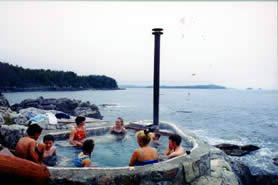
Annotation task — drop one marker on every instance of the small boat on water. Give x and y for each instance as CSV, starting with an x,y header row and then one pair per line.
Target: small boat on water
x,y
13,168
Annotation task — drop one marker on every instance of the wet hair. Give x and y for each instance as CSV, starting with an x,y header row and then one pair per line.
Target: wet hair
x,y
175,138
88,146
79,119
144,137
157,135
122,121
34,129
48,137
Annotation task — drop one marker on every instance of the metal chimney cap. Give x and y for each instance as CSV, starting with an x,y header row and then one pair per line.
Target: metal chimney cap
x,y
157,31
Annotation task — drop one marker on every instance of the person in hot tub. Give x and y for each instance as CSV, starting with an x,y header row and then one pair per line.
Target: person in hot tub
x,y
83,159
145,154
78,133
174,149
118,128
49,155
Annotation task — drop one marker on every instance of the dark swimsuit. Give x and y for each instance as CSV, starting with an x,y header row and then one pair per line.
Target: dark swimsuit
x,y
38,153
145,162
118,133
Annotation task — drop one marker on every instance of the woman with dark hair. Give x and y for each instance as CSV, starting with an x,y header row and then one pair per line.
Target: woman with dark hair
x,y
145,154
84,158
78,133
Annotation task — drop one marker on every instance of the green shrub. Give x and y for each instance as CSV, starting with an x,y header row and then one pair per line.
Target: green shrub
x,y
8,120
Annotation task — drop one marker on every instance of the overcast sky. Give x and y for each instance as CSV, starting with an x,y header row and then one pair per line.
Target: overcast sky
x,y
233,44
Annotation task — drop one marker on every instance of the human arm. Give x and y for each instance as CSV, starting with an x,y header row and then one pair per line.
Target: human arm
x,y
167,152
123,129
71,138
54,151
179,151
86,162
111,129
133,158
41,150
32,151
157,155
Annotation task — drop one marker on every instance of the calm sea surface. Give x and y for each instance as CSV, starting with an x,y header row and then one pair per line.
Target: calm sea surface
x,y
216,116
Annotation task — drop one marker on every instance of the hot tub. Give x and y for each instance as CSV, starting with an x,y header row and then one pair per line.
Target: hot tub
x,y
180,170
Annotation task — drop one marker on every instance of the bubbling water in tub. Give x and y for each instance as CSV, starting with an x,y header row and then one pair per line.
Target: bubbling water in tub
x,y
110,150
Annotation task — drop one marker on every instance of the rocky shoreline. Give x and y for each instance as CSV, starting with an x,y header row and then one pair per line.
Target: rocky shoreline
x,y
15,119
51,88
13,124
65,105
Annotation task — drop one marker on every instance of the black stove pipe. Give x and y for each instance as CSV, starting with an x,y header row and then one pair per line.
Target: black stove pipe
x,y
156,32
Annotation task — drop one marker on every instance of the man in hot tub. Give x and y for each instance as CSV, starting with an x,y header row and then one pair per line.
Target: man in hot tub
x,y
174,149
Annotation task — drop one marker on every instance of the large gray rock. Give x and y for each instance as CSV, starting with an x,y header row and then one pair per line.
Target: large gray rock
x,y
221,169
221,173
18,118
275,161
71,107
5,115
241,171
2,121
10,134
90,111
3,101
235,150
265,179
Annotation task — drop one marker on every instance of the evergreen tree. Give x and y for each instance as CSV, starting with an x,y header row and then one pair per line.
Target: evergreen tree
x,y
18,77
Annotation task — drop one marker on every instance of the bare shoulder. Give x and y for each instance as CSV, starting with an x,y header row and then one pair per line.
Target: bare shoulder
x,y
32,142
27,140
73,130
153,149
53,149
86,162
137,150
181,150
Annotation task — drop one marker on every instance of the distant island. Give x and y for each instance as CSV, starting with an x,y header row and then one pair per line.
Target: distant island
x,y
15,78
211,86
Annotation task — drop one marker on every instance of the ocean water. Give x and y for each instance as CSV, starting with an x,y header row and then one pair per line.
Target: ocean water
x,y
216,116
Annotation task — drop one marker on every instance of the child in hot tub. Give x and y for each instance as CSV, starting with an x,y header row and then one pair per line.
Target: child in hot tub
x,y
83,159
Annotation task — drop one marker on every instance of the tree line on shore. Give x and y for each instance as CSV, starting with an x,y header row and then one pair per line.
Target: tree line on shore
x,y
18,77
